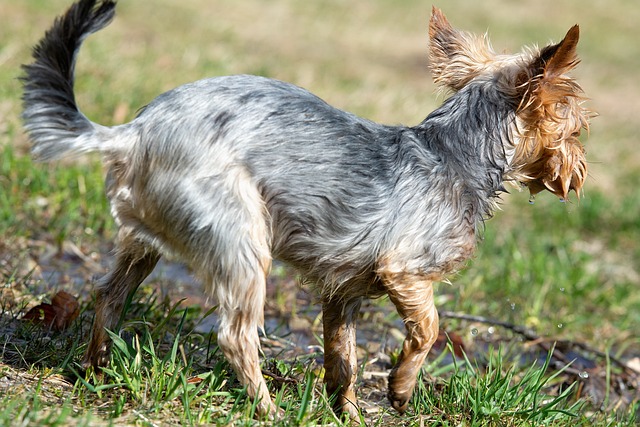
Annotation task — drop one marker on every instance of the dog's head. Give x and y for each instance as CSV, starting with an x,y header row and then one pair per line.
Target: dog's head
x,y
546,152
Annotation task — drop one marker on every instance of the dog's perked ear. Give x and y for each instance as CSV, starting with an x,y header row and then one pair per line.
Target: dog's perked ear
x,y
553,61
550,120
455,57
563,56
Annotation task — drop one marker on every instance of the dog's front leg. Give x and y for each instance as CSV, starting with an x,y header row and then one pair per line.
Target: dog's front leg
x,y
413,298
340,359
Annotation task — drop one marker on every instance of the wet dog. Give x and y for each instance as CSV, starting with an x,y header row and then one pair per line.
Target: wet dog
x,y
230,172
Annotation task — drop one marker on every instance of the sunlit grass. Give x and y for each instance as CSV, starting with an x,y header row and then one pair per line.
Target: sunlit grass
x,y
165,374
62,201
553,264
497,395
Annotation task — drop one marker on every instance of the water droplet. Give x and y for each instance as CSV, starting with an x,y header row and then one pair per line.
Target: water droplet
x,y
560,325
491,330
532,199
584,375
562,200
474,332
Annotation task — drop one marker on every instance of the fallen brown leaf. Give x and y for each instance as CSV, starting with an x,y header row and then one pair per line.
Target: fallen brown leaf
x,y
58,315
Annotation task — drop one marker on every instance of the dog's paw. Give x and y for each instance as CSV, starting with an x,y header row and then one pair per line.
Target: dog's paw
x,y
97,358
348,412
400,391
399,403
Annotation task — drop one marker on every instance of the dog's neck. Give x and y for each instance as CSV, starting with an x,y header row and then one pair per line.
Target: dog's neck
x,y
472,132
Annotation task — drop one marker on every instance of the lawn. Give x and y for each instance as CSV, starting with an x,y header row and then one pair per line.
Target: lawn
x,y
541,328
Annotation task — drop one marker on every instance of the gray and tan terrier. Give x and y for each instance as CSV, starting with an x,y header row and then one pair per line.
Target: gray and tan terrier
x,y
228,173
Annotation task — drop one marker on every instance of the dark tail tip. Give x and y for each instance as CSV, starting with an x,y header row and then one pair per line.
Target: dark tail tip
x,y
50,111
54,56
59,46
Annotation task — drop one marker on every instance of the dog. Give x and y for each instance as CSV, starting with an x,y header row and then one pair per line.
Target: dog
x,y
231,172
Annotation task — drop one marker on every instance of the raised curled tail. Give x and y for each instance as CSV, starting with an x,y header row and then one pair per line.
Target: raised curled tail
x,y
51,117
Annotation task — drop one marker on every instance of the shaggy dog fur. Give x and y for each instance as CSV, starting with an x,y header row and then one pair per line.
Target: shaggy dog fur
x,y
230,172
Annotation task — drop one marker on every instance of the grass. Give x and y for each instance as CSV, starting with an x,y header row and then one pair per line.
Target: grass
x,y
569,256
76,207
167,374
567,271
498,394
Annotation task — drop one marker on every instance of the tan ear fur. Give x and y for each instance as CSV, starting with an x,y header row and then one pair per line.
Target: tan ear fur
x,y
565,57
455,57
551,119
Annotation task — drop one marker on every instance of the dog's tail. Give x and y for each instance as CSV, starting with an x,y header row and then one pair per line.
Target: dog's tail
x,y
52,119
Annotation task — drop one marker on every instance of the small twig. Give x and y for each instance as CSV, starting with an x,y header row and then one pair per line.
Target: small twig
x,y
604,355
143,418
530,335
520,330
279,379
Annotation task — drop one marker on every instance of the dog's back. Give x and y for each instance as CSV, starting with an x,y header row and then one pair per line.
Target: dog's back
x,y
315,176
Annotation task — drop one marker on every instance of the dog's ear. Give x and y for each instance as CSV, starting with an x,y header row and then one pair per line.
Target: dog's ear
x,y
565,56
557,59
455,57
551,119
544,81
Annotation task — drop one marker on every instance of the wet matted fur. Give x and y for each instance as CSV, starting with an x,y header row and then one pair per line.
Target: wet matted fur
x,y
230,172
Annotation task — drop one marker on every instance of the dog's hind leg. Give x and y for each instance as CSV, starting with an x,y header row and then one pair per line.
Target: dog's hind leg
x,y
239,341
134,262
241,308
413,297
235,259
340,359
